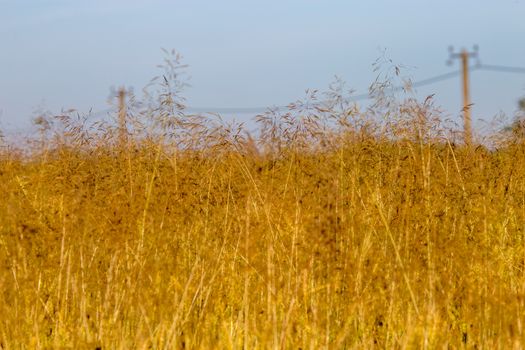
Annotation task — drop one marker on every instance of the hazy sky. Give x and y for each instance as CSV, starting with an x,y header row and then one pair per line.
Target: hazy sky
x,y
67,54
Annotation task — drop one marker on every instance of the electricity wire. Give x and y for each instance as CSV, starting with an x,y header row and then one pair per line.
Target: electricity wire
x,y
355,98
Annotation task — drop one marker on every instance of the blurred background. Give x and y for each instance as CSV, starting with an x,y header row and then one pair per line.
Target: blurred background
x,y
60,55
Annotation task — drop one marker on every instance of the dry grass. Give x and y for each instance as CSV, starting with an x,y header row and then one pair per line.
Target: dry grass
x,y
326,230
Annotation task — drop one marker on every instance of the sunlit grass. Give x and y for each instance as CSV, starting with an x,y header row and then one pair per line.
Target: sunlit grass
x,y
345,234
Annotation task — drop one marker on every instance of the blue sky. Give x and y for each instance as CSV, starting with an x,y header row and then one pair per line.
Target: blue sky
x,y
67,54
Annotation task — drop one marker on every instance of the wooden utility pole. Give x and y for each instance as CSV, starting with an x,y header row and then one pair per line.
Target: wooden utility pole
x,y
467,117
123,131
464,55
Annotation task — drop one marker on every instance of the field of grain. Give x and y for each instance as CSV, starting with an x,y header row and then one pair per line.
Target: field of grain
x,y
327,229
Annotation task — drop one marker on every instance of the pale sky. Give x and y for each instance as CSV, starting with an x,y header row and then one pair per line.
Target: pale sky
x,y
68,54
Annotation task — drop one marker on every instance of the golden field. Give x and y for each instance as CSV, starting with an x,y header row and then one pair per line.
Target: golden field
x,y
310,235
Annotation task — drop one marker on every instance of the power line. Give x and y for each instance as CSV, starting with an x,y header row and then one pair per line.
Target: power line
x,y
99,113
90,113
366,96
438,78
497,68
360,97
240,110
